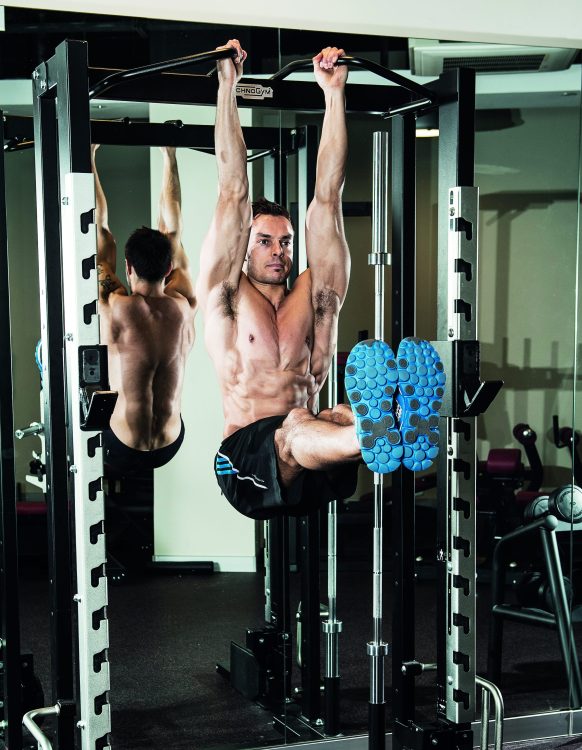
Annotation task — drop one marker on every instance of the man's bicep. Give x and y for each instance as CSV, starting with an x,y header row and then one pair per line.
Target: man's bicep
x,y
327,249
223,250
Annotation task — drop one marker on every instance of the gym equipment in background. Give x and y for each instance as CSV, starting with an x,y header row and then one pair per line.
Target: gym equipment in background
x,y
544,595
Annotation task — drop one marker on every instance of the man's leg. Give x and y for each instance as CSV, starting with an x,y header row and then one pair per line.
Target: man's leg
x,y
305,441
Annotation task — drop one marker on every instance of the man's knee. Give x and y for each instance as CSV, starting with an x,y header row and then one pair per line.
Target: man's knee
x,y
288,430
340,414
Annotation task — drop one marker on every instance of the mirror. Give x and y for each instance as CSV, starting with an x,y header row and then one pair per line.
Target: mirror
x,y
170,625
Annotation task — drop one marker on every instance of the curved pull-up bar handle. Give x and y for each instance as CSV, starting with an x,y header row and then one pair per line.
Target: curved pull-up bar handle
x,y
360,62
159,67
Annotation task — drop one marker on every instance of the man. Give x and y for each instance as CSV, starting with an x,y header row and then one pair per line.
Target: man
x,y
272,346
149,332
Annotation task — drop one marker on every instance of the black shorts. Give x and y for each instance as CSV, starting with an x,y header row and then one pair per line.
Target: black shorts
x,y
247,472
126,460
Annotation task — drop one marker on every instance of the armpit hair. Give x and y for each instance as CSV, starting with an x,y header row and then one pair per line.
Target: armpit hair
x,y
228,301
326,303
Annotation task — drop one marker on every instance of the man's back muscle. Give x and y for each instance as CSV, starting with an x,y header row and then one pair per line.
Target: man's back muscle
x,y
148,339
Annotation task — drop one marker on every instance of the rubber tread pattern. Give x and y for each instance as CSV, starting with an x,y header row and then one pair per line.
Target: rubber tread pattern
x,y
419,366
371,381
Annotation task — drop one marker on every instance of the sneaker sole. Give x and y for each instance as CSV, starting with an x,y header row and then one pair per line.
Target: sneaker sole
x,y
370,381
421,387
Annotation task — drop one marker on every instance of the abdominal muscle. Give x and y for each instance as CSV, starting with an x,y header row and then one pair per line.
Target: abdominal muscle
x,y
261,389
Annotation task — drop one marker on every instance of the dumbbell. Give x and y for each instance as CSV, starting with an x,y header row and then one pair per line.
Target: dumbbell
x,y
564,502
533,590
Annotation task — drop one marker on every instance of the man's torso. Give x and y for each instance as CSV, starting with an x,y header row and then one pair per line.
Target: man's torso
x,y
264,357
148,340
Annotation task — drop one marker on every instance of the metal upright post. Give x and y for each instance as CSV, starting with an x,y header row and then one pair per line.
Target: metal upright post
x,y
54,411
70,338
457,324
379,257
11,711
403,512
309,525
86,363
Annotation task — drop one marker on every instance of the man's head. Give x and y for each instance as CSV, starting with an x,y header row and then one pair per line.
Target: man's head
x,y
148,255
270,250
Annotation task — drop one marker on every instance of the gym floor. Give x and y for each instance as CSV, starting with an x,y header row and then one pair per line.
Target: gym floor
x,y
167,632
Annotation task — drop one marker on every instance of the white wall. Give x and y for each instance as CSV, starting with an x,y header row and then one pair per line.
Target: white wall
x,y
192,520
24,305
516,21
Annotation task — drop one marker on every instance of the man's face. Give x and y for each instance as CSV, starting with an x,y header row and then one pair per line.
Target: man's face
x,y
270,251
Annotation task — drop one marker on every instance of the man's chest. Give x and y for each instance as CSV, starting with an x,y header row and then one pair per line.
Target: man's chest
x,y
285,334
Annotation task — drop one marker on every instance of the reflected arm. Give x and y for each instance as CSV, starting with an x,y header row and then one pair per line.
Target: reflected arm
x,y
108,281
170,223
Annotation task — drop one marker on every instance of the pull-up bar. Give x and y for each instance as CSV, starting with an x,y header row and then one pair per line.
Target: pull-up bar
x,y
427,96
159,67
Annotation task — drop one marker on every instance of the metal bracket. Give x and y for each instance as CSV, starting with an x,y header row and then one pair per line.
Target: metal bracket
x,y
380,259
97,401
466,394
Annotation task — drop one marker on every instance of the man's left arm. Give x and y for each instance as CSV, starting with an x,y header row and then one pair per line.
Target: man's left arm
x,y
327,249
170,223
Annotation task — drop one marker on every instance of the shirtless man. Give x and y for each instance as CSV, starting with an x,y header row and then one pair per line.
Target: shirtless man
x,y
271,346
149,332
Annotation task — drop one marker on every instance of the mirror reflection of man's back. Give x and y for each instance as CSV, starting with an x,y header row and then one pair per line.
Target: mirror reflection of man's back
x,y
148,333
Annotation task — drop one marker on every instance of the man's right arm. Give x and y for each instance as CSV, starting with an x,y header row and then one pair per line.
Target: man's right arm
x,y
107,279
224,247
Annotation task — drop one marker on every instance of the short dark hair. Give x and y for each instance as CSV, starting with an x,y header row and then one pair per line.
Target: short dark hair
x,y
264,207
149,252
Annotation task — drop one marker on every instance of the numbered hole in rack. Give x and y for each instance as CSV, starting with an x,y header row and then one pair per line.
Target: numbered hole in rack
x,y
94,531
92,444
97,617
94,487
97,574
99,659
462,660
100,701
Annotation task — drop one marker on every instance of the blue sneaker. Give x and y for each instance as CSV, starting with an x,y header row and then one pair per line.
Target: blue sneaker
x,y
370,382
421,387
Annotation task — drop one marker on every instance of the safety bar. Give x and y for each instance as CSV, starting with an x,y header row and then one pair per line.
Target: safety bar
x,y
546,522
261,155
18,144
29,722
427,99
35,429
159,67
489,690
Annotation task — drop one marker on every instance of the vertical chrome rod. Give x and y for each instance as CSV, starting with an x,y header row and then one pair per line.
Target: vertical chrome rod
x,y
379,257
490,690
332,626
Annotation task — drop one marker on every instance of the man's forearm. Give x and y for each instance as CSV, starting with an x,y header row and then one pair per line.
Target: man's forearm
x,y
231,153
333,148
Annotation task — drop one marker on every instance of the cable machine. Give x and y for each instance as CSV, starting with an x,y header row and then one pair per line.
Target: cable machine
x,y
75,362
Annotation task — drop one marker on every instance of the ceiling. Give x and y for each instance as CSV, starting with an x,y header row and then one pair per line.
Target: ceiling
x,y
117,42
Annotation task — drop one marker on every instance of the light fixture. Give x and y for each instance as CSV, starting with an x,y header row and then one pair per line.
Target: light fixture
x,y
427,132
